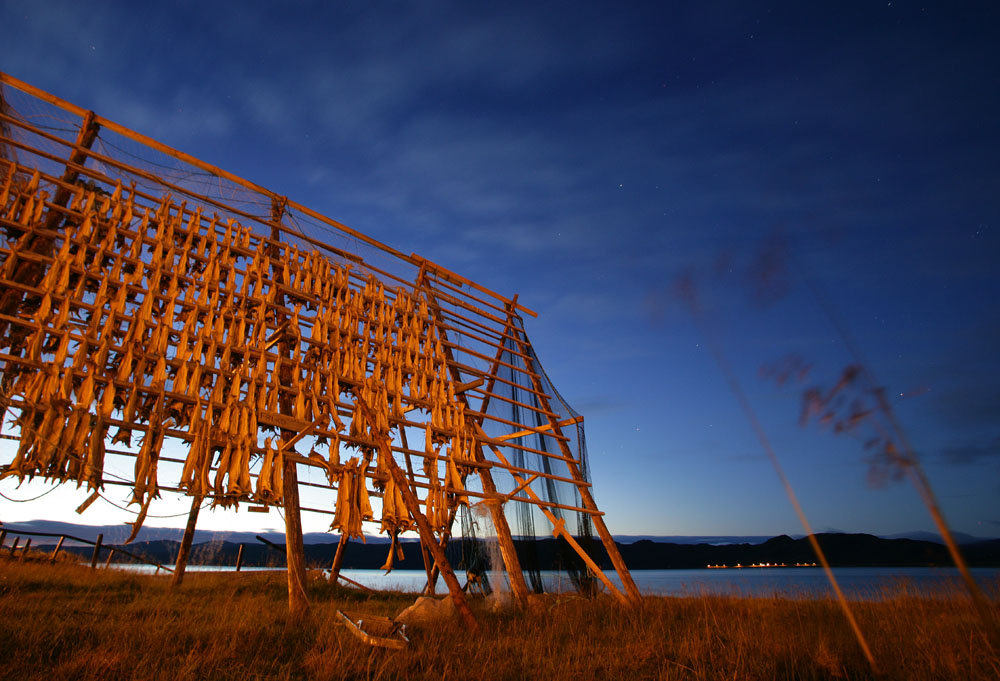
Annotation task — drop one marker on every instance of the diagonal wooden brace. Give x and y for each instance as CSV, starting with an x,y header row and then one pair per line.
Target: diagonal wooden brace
x,y
426,532
560,529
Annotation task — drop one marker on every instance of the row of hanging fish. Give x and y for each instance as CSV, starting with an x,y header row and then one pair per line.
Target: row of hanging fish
x,y
165,321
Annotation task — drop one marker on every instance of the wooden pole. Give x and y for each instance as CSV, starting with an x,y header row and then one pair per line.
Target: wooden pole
x,y
111,555
97,551
424,553
24,551
429,569
508,552
588,500
413,506
357,584
426,532
13,547
338,557
559,528
55,552
3,537
445,536
185,548
298,602
239,558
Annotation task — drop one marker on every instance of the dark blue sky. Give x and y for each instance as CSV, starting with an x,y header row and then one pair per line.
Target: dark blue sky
x,y
586,156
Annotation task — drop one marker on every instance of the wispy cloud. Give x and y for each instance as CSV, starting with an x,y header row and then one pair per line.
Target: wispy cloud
x,y
972,454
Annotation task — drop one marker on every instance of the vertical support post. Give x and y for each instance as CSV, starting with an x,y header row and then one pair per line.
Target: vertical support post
x,y
239,558
97,551
24,551
428,568
3,537
298,602
338,557
185,548
111,554
13,547
55,552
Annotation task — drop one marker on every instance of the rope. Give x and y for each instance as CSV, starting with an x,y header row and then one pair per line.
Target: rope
x,y
24,501
123,508
106,472
179,172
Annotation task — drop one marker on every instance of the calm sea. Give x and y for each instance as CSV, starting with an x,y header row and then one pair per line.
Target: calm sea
x,y
793,582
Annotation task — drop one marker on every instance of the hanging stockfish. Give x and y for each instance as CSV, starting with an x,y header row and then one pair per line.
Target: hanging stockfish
x,y
395,516
353,504
195,461
146,462
93,469
453,482
269,479
436,503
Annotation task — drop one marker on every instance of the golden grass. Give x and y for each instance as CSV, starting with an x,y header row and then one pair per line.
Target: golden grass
x,y
68,622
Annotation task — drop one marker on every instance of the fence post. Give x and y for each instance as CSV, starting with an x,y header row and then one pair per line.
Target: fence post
x,y
239,558
24,551
97,551
13,547
3,537
58,546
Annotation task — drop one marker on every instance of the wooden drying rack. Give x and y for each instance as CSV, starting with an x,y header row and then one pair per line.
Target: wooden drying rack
x,y
132,302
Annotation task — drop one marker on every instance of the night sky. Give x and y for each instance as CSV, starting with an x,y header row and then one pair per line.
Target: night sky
x,y
814,174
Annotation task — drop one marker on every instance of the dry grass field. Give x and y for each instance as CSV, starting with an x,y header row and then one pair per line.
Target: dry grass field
x,y
65,621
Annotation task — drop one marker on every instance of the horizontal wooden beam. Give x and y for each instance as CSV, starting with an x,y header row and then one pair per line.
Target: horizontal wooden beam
x,y
155,145
541,430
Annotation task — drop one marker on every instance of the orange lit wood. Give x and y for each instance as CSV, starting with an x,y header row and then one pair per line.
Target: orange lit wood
x,y
160,306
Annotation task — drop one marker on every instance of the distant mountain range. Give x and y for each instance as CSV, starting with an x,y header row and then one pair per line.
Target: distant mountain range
x,y
119,533
842,550
721,540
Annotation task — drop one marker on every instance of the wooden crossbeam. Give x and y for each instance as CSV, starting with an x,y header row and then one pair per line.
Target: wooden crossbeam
x,y
540,430
560,530
507,497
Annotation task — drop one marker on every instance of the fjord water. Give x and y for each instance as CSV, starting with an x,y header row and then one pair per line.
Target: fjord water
x,y
795,582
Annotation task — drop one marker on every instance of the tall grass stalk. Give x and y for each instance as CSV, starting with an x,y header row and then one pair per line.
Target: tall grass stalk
x,y
910,464
690,297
